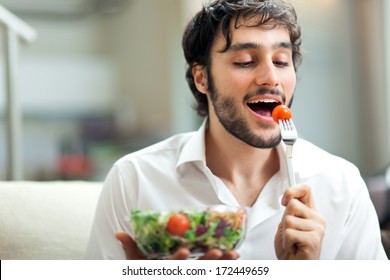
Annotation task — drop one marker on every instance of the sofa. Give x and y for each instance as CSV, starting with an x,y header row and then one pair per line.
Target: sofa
x,y
46,220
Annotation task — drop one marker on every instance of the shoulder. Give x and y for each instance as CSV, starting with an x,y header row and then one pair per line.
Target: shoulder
x,y
148,164
312,160
169,148
331,177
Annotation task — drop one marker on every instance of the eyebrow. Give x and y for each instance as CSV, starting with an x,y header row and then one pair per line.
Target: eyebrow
x,y
256,46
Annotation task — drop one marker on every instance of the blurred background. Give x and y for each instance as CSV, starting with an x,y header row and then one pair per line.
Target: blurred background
x,y
106,77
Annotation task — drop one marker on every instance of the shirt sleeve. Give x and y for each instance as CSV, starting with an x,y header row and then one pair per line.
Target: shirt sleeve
x,y
361,237
111,216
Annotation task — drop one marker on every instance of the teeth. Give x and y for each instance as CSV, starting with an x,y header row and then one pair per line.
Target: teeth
x,y
264,101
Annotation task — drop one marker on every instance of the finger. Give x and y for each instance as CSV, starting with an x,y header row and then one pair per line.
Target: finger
x,y
214,254
181,254
302,193
296,208
131,250
230,255
291,240
306,244
301,224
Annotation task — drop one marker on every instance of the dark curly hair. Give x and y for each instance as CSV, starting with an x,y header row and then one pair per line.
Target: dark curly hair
x,y
217,16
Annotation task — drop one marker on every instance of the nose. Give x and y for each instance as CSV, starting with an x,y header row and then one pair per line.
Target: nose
x,y
267,75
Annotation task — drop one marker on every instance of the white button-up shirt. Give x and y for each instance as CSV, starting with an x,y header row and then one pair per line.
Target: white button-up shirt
x,y
173,174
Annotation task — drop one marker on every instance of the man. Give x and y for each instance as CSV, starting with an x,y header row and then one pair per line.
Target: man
x,y
242,57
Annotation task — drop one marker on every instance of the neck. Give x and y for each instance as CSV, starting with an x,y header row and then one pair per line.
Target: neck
x,y
244,169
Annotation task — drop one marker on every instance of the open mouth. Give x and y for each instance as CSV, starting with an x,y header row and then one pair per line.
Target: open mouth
x,y
263,107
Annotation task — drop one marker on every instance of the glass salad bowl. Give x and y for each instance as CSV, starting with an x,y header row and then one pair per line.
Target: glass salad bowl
x,y
160,234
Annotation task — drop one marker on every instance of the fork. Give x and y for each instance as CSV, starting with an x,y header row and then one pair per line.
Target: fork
x,y
289,135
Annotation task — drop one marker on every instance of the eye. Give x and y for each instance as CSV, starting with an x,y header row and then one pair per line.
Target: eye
x,y
244,64
281,63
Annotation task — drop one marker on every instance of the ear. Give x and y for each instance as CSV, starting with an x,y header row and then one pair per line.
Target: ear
x,y
200,78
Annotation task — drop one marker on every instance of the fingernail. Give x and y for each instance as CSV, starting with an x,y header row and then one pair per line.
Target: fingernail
x,y
284,200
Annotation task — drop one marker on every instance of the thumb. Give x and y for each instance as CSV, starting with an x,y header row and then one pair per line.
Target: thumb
x,y
129,246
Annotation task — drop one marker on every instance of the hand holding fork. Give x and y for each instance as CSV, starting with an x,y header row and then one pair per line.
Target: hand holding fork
x,y
303,238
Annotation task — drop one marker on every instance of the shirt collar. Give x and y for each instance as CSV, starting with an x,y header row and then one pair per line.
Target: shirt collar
x,y
195,149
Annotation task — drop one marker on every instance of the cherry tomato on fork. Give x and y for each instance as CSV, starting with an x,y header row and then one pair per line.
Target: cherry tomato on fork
x,y
178,224
281,112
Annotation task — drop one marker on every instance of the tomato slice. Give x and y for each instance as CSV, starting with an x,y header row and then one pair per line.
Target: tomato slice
x,y
281,112
178,224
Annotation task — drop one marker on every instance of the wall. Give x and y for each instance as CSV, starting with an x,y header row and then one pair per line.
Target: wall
x,y
341,101
373,86
325,105
128,65
63,76
145,43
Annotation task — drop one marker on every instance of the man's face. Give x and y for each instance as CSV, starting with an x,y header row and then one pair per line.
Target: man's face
x,y
247,81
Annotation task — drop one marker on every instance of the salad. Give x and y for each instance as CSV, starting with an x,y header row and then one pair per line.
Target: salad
x,y
159,234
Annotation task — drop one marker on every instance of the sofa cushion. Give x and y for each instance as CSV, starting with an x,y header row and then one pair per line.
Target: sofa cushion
x,y
46,220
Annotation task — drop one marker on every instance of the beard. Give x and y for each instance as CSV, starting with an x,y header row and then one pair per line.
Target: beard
x,y
228,114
